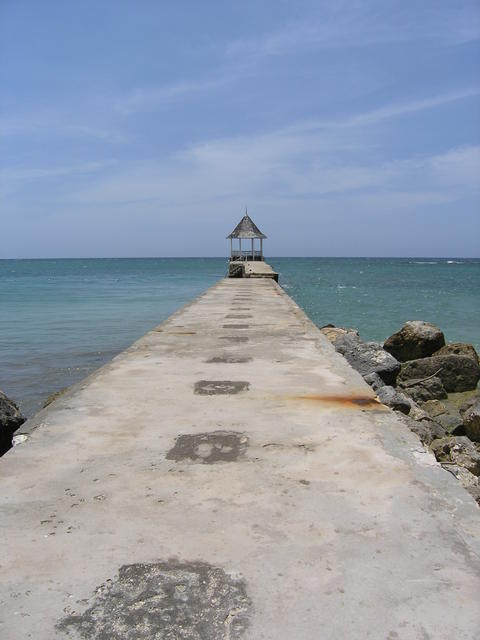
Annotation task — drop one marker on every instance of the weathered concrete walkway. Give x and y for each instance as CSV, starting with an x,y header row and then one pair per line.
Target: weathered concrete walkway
x,y
230,476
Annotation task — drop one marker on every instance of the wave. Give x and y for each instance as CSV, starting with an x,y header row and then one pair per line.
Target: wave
x,y
423,262
454,261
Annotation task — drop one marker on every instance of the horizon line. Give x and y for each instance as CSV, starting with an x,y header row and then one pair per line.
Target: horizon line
x,y
326,257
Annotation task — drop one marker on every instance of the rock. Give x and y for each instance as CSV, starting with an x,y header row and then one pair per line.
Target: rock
x,y
471,421
434,408
466,479
393,399
452,423
457,373
423,390
417,413
426,429
332,332
10,419
374,380
459,450
449,418
467,404
416,339
367,357
459,349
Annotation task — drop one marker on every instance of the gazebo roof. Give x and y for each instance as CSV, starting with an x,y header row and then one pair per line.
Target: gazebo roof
x,y
246,228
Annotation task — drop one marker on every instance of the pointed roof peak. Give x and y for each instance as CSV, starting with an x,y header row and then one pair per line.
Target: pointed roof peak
x,y
246,228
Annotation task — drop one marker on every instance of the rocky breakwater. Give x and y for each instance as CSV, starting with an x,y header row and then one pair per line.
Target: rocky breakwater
x,y
10,419
432,385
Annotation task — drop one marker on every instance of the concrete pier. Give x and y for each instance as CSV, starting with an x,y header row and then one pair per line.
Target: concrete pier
x,y
229,476
251,269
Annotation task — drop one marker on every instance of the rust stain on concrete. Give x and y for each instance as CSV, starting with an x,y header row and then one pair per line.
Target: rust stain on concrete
x,y
349,401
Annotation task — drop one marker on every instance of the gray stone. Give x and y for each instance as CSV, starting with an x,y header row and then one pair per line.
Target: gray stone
x,y
459,450
333,333
393,399
457,373
458,349
367,357
471,421
426,429
374,380
10,419
452,423
466,479
467,404
423,390
416,339
434,408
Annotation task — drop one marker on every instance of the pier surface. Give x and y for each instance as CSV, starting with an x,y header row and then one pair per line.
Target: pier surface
x,y
229,476
251,269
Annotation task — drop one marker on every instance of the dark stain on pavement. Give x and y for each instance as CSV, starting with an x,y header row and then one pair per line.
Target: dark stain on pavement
x,y
209,447
220,387
168,600
236,326
229,359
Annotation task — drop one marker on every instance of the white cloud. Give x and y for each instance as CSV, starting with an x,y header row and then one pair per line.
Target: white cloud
x,y
346,25
151,97
54,124
459,166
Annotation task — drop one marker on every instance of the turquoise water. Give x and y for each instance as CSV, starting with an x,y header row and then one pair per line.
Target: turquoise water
x,y
61,319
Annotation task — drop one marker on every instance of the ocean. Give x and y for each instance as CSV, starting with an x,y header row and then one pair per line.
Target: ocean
x,y
61,319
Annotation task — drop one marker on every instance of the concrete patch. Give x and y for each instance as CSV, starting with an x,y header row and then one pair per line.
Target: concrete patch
x,y
229,359
220,387
235,338
166,601
238,315
210,447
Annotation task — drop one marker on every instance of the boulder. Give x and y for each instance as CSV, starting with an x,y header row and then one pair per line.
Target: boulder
x,y
434,408
457,373
471,421
426,429
423,390
393,399
367,357
374,380
466,479
448,417
452,423
332,332
458,450
10,419
416,339
467,404
458,349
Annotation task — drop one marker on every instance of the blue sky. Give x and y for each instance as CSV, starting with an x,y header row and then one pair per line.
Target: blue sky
x,y
143,128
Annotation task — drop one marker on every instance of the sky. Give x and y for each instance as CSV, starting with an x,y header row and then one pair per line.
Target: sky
x,y
144,128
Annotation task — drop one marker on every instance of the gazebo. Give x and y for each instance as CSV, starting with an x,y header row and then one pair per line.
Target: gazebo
x,y
246,229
